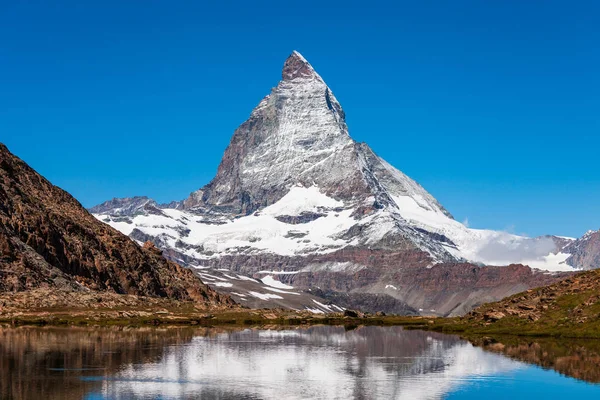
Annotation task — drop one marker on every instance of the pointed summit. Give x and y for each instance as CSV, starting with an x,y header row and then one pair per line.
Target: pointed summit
x,y
296,66
297,135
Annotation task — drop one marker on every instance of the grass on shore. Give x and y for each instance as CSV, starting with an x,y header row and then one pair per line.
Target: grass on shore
x,y
564,321
190,316
247,317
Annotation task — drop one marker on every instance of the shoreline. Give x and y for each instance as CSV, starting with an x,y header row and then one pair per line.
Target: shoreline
x,y
44,307
202,318
239,317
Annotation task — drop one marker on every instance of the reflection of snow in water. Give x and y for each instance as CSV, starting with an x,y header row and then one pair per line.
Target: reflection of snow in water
x,y
317,363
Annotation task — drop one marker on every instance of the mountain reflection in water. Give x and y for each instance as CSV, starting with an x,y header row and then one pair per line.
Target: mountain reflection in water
x,y
318,363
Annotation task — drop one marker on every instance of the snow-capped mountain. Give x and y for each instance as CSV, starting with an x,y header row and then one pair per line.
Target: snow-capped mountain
x,y
295,195
584,253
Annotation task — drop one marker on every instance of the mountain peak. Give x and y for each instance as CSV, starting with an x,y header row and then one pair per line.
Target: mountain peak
x,y
296,66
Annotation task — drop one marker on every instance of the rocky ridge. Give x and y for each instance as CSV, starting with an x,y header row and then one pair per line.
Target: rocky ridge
x,y
48,240
569,308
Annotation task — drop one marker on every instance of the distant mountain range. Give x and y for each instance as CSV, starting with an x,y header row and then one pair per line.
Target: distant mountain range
x,y
296,200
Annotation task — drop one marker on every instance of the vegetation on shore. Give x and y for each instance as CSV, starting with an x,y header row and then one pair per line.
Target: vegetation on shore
x,y
51,307
567,309
238,317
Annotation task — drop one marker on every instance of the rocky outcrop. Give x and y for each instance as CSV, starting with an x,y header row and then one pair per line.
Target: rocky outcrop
x,y
47,239
303,218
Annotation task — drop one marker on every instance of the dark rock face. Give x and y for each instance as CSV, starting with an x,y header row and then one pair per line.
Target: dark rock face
x,y
401,282
368,302
47,239
559,242
296,67
303,218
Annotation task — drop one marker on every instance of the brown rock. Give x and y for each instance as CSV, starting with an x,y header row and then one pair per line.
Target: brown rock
x,y
48,240
493,316
152,248
533,317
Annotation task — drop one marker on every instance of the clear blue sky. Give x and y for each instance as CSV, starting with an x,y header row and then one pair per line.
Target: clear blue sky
x,y
494,107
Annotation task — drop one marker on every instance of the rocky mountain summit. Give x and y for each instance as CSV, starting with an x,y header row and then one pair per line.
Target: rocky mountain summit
x,y
48,240
293,158
297,200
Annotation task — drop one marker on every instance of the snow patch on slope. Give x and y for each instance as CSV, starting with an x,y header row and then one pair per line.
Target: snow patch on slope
x,y
260,231
480,245
264,296
270,281
300,199
263,232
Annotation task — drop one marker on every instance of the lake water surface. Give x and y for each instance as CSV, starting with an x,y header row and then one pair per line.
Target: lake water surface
x,y
311,363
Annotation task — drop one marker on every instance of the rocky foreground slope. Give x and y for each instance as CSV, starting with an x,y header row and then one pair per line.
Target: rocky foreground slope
x,y
569,308
297,200
49,241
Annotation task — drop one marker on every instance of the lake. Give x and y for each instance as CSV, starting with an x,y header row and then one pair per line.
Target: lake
x,y
321,362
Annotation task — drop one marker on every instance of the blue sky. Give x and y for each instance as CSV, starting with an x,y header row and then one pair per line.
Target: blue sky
x,y
492,106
